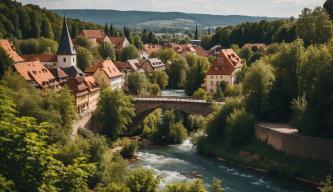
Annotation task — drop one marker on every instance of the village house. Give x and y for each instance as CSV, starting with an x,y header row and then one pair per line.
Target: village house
x,y
10,50
224,68
48,60
119,42
215,50
95,36
106,74
86,92
34,72
152,64
37,75
152,48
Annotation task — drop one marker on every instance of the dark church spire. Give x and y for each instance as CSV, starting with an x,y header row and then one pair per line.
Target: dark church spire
x,y
65,45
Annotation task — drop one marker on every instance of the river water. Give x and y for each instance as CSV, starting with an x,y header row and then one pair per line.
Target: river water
x,y
177,163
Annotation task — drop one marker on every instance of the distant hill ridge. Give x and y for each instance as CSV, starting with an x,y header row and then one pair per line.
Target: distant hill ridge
x,y
150,19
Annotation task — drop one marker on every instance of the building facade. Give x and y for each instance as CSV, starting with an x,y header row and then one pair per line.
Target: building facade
x,y
224,68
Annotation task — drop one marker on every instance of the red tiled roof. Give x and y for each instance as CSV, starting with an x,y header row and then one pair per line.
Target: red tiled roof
x,y
41,57
123,66
35,71
201,52
220,69
10,50
92,33
230,57
151,48
82,85
226,63
108,67
187,47
118,41
58,73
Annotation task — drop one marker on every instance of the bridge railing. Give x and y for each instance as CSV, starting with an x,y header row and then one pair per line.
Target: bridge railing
x,y
171,99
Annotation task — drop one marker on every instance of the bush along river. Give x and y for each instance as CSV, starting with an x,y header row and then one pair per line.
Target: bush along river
x,y
177,163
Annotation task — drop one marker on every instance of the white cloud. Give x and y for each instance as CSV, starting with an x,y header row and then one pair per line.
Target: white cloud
x,y
279,8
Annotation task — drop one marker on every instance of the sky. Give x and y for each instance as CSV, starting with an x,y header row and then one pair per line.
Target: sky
x,y
273,8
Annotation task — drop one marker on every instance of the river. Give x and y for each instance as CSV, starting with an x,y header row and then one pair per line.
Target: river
x,y
177,163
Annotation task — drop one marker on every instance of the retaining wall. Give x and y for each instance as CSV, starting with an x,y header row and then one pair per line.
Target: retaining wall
x,y
294,144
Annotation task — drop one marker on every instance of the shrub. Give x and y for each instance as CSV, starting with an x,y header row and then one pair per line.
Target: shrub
x,y
142,180
298,107
195,186
216,125
240,127
129,148
201,94
178,133
327,185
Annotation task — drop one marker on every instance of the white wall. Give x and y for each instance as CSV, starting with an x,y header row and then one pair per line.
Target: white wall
x,y
66,60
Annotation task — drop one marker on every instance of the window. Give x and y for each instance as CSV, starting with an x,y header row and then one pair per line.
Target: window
x,y
212,83
64,59
73,59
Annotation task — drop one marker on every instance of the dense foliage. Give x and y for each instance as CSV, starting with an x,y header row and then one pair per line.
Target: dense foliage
x,y
30,21
115,112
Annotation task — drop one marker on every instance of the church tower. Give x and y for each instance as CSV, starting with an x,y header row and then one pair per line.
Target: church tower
x,y
66,53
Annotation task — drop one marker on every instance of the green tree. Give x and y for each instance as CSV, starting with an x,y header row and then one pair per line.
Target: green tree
x,y
25,142
5,61
107,51
328,5
257,84
83,42
137,42
177,73
106,30
129,148
246,53
217,124
196,33
240,127
178,133
201,94
137,83
129,52
286,87
196,74
84,57
141,180
46,29
127,33
205,42
314,27
165,55
159,77
115,112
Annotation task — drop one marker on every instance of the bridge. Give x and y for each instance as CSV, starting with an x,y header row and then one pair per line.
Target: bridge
x,y
186,105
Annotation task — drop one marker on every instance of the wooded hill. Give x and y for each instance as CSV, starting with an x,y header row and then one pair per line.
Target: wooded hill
x,y
31,21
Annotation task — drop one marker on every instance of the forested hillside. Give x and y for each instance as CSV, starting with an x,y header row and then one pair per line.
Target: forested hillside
x,y
30,21
158,20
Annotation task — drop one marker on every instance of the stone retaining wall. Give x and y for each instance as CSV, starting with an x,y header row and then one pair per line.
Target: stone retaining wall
x,y
294,144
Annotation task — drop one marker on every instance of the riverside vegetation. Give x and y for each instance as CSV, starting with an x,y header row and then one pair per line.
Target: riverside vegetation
x,y
289,81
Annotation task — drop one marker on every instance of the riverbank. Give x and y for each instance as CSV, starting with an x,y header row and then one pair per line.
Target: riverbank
x,y
178,163
258,156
